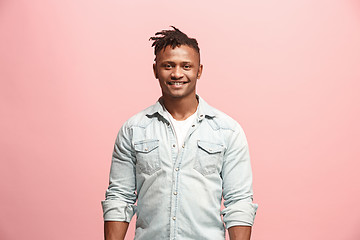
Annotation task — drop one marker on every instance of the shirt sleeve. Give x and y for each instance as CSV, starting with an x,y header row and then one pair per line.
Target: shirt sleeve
x,y
237,182
121,196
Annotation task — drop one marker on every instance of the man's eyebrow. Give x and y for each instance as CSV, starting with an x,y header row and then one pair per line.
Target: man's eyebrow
x,y
184,62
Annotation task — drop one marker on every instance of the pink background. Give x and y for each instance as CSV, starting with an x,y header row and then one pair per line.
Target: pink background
x,y
73,71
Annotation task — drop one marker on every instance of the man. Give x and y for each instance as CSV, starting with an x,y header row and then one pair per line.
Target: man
x,y
178,158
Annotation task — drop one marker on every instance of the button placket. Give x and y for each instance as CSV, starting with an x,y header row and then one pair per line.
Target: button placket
x,y
176,172
177,154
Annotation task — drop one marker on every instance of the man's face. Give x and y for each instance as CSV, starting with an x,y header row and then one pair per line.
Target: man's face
x,y
177,71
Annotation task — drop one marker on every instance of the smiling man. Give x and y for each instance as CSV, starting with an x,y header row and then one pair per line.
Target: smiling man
x,y
178,158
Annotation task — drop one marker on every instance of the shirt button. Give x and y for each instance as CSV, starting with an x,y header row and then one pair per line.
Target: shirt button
x,y
175,193
183,146
145,149
174,218
193,125
201,115
174,145
177,169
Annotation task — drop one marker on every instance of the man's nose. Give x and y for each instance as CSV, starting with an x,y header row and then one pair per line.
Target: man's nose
x,y
177,73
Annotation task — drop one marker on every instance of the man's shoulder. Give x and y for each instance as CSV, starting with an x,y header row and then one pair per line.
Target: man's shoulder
x,y
228,125
224,121
141,118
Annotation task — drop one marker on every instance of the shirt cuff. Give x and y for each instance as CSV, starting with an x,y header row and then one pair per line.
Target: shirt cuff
x,y
239,214
115,210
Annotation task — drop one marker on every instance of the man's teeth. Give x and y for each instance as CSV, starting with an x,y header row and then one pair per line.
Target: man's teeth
x,y
177,83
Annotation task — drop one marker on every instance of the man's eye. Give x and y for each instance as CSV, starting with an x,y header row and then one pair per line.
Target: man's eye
x,y
168,66
187,66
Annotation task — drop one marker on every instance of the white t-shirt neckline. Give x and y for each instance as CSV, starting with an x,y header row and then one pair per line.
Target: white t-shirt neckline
x,y
181,127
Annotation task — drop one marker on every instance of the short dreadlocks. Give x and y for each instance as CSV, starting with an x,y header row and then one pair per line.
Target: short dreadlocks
x,y
173,38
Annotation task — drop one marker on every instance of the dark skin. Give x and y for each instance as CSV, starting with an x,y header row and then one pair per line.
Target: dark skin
x,y
240,233
180,65
115,230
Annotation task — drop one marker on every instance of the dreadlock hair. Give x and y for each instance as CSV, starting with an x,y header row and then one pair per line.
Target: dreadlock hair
x,y
173,38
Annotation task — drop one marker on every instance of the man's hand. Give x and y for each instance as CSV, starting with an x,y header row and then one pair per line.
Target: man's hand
x,y
240,233
115,230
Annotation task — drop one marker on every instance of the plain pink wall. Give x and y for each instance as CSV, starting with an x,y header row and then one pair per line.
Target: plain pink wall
x,y
73,71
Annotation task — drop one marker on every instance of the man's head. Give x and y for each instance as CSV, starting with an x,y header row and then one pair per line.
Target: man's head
x,y
173,38
177,63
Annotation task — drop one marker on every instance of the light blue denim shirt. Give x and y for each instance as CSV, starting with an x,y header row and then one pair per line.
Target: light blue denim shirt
x,y
179,195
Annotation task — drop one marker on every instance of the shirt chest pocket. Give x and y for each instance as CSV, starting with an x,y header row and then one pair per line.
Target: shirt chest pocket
x,y
147,156
208,157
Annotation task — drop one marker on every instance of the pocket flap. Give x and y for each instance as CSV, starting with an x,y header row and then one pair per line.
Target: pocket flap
x,y
210,147
146,145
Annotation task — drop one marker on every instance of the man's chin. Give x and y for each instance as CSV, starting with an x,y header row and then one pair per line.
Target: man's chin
x,y
177,96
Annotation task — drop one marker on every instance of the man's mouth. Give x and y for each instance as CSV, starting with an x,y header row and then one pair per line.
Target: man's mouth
x,y
177,83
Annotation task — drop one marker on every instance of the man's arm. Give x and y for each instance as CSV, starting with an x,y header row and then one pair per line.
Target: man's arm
x,y
115,230
240,232
236,173
118,206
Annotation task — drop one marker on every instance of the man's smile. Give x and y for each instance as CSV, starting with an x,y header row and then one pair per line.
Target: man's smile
x,y
177,83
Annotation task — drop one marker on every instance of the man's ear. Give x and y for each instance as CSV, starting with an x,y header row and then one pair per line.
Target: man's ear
x,y
155,72
199,71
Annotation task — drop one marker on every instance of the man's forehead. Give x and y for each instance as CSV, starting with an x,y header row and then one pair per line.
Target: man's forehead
x,y
182,51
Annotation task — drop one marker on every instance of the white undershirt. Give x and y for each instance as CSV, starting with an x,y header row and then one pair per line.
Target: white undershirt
x,y
181,127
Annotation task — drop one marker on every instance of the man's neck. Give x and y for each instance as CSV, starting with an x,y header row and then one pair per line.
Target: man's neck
x,y
181,108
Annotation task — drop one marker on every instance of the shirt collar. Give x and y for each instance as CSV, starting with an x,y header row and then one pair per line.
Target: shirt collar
x,y
203,110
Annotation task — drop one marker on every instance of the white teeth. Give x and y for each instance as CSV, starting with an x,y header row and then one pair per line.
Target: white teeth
x,y
176,83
